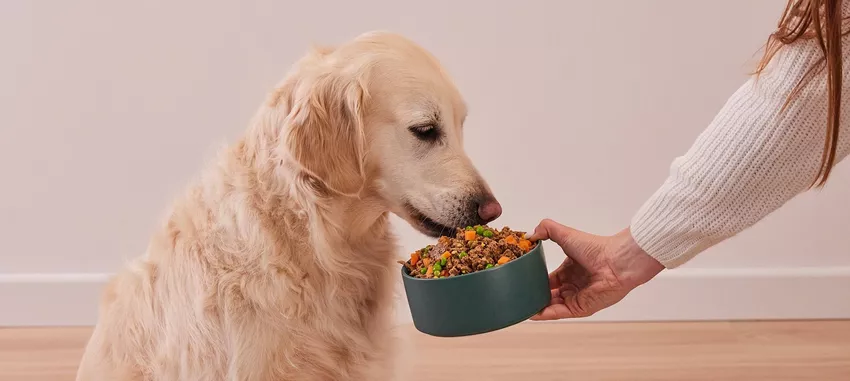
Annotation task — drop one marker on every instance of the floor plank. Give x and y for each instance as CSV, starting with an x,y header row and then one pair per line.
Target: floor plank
x,y
751,351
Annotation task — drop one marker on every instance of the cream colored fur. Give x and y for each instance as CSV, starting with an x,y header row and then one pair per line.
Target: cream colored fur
x,y
277,262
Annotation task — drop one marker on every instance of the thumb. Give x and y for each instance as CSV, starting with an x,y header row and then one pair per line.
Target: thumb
x,y
573,242
549,229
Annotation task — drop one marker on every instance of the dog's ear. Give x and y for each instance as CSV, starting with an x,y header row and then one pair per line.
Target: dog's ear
x,y
324,131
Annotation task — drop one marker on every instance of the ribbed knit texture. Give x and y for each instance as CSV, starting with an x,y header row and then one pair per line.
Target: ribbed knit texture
x,y
750,161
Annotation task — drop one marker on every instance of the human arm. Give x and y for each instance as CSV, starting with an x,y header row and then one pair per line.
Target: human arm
x,y
753,158
756,155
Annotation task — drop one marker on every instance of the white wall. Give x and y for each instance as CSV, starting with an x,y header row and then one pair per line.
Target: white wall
x,y
107,107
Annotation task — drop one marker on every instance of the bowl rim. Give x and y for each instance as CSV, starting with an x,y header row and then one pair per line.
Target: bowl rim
x,y
537,246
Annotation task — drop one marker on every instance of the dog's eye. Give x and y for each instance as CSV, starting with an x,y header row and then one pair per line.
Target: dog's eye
x,y
426,132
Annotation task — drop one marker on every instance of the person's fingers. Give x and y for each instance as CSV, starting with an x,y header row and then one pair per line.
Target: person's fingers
x,y
555,298
568,272
549,229
577,245
554,280
558,307
558,277
569,302
553,312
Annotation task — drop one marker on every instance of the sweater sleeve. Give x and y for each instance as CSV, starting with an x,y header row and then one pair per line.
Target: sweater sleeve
x,y
750,160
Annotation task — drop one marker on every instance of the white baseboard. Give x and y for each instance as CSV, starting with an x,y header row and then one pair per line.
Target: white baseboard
x,y
50,299
738,294
683,294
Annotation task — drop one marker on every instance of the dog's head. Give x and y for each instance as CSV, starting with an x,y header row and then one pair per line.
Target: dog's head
x,y
380,115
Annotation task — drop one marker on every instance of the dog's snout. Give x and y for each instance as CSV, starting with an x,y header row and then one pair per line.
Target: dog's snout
x,y
489,210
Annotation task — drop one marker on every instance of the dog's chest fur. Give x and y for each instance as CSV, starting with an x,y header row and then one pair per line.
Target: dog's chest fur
x,y
284,309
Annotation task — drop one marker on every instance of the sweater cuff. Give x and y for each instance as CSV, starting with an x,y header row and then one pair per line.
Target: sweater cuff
x,y
672,246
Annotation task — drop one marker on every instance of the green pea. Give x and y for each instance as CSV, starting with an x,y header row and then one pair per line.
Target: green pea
x,y
437,268
423,270
489,265
462,254
479,230
442,261
469,228
488,233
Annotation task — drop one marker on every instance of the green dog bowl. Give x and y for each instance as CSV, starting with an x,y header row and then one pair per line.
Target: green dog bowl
x,y
482,301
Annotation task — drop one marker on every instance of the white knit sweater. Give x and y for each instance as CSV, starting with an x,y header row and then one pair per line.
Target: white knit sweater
x,y
750,160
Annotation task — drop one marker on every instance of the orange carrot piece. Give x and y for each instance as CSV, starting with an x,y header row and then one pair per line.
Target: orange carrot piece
x,y
430,270
503,260
444,273
446,255
427,262
511,240
414,258
469,235
525,245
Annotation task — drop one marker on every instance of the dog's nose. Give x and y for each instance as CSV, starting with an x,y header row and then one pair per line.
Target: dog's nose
x,y
489,210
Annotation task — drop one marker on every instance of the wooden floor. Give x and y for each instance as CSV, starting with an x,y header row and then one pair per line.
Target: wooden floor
x,y
741,351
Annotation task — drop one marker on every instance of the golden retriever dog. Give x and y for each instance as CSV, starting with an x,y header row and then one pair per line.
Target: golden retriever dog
x,y
278,261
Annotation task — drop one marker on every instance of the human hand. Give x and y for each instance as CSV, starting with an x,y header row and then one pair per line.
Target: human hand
x,y
598,272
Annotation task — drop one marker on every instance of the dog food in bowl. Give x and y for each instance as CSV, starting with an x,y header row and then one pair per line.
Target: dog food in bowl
x,y
472,249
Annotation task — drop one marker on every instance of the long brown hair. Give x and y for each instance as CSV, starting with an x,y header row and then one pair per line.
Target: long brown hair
x,y
820,20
